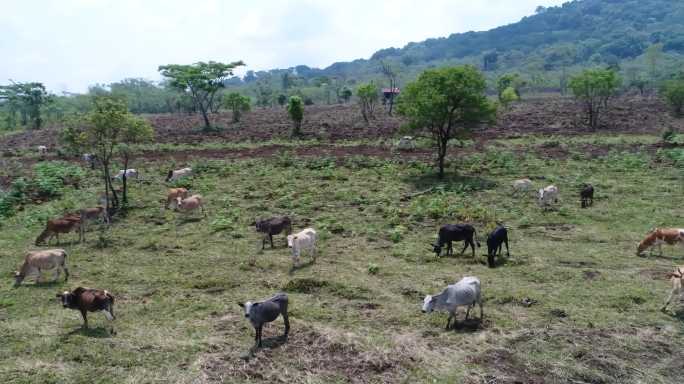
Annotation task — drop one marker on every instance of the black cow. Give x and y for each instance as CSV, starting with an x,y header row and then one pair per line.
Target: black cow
x,y
587,195
495,241
273,226
455,232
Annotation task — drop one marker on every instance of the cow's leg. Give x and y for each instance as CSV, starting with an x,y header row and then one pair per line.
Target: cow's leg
x,y
56,275
472,245
270,239
451,315
85,318
287,323
669,299
465,246
66,272
259,343
468,311
40,274
479,301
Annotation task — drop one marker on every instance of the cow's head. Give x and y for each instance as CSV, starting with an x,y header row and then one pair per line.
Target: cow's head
x,y
66,297
437,249
168,175
248,307
18,278
428,304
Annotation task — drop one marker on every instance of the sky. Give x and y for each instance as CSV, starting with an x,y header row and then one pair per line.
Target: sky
x,y
71,44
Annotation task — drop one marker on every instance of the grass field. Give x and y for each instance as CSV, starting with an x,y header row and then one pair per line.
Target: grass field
x,y
355,313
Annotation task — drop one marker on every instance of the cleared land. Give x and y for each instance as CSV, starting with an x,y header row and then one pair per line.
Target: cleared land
x,y
594,315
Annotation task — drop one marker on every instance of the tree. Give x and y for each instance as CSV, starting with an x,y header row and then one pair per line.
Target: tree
x,y
368,97
507,97
264,94
282,100
295,108
673,92
107,131
511,80
238,104
447,103
391,76
594,88
489,61
28,99
201,81
346,94
653,55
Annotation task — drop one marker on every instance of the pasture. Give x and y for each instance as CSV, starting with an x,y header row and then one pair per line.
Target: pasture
x,y
573,303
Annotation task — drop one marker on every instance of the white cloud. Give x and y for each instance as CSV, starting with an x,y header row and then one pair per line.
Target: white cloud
x,y
70,44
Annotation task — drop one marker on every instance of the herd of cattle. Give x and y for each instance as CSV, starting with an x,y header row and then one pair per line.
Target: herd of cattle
x,y
466,292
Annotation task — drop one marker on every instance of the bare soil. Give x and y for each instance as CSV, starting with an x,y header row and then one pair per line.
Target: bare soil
x,y
344,122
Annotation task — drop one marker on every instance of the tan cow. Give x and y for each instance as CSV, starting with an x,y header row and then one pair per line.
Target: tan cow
x,y
54,227
37,261
677,280
190,204
173,195
660,236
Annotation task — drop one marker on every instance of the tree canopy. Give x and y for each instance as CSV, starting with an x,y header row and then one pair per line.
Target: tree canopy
x,y
594,87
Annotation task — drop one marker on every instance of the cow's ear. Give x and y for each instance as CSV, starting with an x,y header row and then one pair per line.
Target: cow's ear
x,y
241,304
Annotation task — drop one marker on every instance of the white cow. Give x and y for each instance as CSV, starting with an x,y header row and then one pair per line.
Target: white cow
x,y
464,292
522,185
130,173
305,239
179,174
42,150
547,196
406,143
38,261
190,204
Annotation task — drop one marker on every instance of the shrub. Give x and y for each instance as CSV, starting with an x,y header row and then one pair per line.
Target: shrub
x,y
295,108
373,269
673,92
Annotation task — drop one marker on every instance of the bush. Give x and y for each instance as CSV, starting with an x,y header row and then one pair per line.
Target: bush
x,y
373,269
295,109
673,92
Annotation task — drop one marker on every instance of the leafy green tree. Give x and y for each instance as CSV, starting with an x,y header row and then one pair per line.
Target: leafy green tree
x,y
508,96
201,81
346,94
511,80
368,95
295,109
107,131
264,94
673,92
654,53
594,88
447,103
282,100
238,104
28,98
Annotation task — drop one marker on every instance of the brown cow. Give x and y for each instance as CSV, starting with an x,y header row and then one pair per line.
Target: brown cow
x,y
54,227
660,236
88,300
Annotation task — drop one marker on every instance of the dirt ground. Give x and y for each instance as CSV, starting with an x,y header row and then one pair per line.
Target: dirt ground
x,y
344,122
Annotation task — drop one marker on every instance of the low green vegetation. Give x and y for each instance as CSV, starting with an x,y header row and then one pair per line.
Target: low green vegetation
x,y
573,303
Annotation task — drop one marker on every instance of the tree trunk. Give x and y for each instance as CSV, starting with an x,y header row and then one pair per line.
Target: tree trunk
x,y
203,110
441,155
124,197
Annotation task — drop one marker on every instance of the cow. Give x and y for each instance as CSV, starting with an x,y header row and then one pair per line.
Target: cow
x,y
89,300
677,280
190,204
273,226
587,196
42,150
90,214
173,195
466,292
455,232
130,173
266,311
547,196
522,185
38,261
495,241
660,236
300,241
178,174
406,143
54,227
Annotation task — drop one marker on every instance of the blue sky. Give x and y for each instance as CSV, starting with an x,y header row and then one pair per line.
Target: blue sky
x,y
71,44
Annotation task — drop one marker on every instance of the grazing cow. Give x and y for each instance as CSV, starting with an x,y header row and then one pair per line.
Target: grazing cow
x,y
406,143
90,214
455,232
273,226
54,227
266,311
38,261
677,280
190,204
660,236
130,173
179,174
495,241
42,150
465,292
587,195
547,196
173,195
90,159
88,300
522,185
305,239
